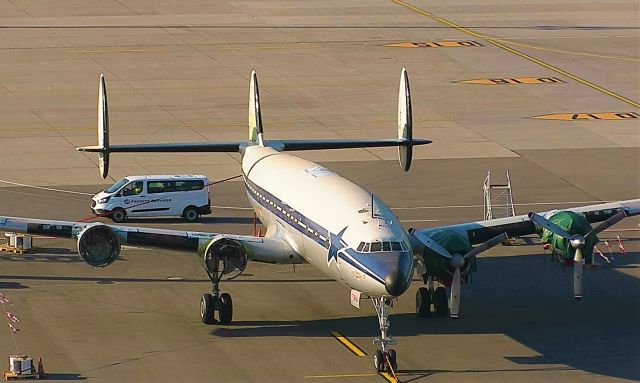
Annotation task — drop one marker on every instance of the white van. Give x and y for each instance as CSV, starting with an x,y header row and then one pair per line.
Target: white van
x,y
153,196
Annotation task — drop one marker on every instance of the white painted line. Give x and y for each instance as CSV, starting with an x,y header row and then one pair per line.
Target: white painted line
x,y
43,188
419,220
125,247
515,204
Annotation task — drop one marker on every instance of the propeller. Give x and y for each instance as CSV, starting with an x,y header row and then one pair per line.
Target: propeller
x,y
458,261
577,241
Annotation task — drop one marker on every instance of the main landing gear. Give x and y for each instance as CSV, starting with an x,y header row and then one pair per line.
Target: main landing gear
x,y
216,302
425,296
385,358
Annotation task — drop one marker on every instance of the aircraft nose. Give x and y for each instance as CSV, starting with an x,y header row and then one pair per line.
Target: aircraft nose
x,y
398,281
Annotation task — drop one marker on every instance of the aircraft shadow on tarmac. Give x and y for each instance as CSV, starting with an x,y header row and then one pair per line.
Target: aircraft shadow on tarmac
x,y
202,220
519,297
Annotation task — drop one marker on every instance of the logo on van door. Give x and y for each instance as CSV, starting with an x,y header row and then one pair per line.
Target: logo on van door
x,y
143,201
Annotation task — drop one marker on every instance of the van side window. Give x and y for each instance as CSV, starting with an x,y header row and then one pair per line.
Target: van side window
x,y
188,185
174,186
155,187
134,188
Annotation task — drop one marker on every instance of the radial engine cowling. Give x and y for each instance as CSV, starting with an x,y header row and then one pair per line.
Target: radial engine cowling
x,y
98,245
223,256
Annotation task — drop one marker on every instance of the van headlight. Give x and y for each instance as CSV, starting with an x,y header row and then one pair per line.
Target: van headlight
x,y
104,200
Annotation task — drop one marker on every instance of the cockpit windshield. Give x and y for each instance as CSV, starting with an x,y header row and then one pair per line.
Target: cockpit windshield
x,y
115,187
379,246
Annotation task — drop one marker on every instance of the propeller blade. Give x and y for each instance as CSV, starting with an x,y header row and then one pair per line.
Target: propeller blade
x,y
608,223
455,294
437,248
552,227
487,245
577,274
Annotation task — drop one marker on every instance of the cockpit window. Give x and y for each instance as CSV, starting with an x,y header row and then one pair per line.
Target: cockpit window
x,y
379,246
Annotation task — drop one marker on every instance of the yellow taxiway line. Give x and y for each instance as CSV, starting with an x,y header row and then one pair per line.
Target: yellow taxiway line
x,y
357,351
502,45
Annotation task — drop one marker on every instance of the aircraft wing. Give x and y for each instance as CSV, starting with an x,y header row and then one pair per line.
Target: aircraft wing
x,y
481,231
99,244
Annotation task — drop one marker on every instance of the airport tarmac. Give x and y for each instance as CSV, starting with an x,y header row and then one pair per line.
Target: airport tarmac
x,y
546,90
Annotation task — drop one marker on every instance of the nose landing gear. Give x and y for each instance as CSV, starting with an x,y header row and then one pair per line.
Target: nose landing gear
x,y
385,359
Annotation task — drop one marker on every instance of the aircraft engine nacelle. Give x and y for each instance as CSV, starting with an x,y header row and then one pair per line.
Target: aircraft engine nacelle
x,y
439,266
98,245
223,256
572,223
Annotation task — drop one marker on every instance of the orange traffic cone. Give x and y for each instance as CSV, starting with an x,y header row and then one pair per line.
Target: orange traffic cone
x,y
40,367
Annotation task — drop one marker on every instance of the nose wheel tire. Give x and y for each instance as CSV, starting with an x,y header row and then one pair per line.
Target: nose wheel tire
x,y
378,361
441,302
207,309
118,215
393,359
423,302
381,361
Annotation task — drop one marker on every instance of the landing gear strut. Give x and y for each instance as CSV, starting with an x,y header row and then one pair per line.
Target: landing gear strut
x,y
385,358
425,296
210,303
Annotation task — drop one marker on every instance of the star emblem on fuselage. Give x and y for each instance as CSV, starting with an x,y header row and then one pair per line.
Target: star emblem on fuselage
x,y
335,245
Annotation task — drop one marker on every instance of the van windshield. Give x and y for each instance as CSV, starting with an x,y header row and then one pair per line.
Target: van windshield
x,y
117,185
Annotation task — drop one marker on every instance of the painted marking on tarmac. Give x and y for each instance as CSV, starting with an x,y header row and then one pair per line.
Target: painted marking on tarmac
x,y
336,376
435,44
514,81
44,188
388,377
357,351
119,50
502,45
609,116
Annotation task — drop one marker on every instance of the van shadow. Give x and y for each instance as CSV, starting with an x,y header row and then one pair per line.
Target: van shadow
x,y
521,298
62,377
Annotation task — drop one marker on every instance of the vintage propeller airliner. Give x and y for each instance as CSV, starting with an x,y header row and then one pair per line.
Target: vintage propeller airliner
x,y
313,215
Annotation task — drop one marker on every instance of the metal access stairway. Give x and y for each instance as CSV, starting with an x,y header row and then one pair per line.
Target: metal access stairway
x,y
498,199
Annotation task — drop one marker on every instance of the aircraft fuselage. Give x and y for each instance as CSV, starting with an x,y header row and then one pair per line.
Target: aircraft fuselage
x,y
334,224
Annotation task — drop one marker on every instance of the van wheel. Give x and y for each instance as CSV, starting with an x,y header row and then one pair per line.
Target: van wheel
x,y
191,214
118,215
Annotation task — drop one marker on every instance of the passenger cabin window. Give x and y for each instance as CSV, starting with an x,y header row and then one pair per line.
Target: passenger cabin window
x,y
134,188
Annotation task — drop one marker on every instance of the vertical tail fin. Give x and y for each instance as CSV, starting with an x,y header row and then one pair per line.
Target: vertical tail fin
x,y
405,124
255,117
103,129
